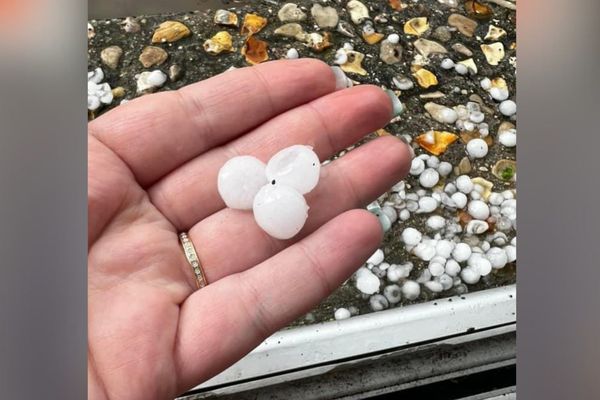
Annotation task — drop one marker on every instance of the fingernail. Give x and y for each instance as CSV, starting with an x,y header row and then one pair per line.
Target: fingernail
x,y
397,106
341,80
412,151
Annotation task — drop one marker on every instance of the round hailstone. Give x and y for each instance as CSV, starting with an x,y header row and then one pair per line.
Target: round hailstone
x,y
452,267
427,204
393,293
445,168
485,83
461,69
495,198
477,148
446,281
470,275
396,272
280,211
342,313
411,236
499,94
508,138
417,166
434,286
433,162
461,252
480,264
478,209
376,258
435,222
239,181
497,257
429,178
447,63
378,302
411,290
393,38
390,212
296,166
404,215
293,54
464,184
511,253
444,248
424,251
366,281
476,117
436,269
508,107
460,199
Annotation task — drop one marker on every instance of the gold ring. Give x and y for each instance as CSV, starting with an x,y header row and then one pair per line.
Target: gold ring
x,y
192,258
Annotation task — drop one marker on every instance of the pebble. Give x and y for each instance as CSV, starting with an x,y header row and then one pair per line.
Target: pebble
x,y
465,25
464,184
476,227
402,83
290,12
110,56
393,293
441,113
342,313
411,290
508,107
461,252
442,33
224,17
477,148
366,281
170,31
325,17
478,209
130,25
464,166
426,47
390,53
462,49
378,302
153,56
346,29
411,236
175,72
377,257
429,178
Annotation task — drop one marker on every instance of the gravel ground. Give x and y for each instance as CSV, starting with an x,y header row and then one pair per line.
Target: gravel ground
x,y
456,89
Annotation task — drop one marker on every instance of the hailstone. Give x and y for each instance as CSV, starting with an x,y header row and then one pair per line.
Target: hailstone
x,y
280,210
296,166
239,181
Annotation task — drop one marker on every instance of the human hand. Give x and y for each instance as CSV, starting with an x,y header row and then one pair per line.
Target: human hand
x,y
152,173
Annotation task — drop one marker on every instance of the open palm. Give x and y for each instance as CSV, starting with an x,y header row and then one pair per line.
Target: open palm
x,y
153,167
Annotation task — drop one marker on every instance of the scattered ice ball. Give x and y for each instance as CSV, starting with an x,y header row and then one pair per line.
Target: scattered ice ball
x,y
280,210
495,198
499,94
478,209
376,258
411,236
378,302
511,253
435,222
497,257
446,281
436,268
445,168
452,267
461,69
396,272
390,212
404,215
342,313
477,117
427,204
424,251
434,286
411,290
508,107
508,138
292,54
444,248
464,184
477,148
296,166
447,63
480,264
393,38
461,252
470,275
417,166
239,181
460,199
393,293
366,281
486,83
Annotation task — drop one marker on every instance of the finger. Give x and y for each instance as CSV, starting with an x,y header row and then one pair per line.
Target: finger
x,y
352,181
329,124
157,133
224,321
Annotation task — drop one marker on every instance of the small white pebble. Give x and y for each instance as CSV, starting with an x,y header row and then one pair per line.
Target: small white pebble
x,y
508,107
461,252
411,290
477,148
464,184
478,209
447,63
460,199
429,178
342,313
393,38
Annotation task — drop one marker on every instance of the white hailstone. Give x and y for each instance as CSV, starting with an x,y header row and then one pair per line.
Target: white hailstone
x,y
427,204
378,302
444,248
485,245
499,94
464,184
411,290
383,266
429,178
421,192
404,215
296,166
478,209
435,222
417,166
497,257
446,281
437,196
280,210
447,63
452,267
508,194
470,275
403,83
393,38
366,281
513,241
436,268
508,138
239,180
412,196
450,188
434,286
424,251
96,76
393,293
424,277
475,195
486,83
480,264
342,313
468,125
460,199
396,272
445,168
461,252
508,107
494,210
390,212
495,198
292,54
476,117
433,162
511,253
477,148
157,78
411,236
412,205
399,187
376,258
423,156
461,69
147,81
